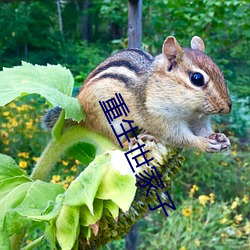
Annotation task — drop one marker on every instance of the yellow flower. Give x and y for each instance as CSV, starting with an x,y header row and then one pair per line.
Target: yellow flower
x,y
187,211
235,203
203,199
6,141
4,134
224,164
238,218
14,123
182,248
223,235
234,152
245,199
192,190
6,113
247,228
29,124
77,162
73,168
211,195
70,178
238,233
65,185
55,178
35,159
12,105
223,220
65,163
24,154
23,164
197,242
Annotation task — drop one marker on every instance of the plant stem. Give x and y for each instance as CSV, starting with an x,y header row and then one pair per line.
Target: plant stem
x,y
57,147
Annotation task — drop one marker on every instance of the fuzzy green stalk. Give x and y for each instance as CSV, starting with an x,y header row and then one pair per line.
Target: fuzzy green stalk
x,y
58,146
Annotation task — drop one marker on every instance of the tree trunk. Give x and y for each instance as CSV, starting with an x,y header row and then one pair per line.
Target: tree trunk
x,y
135,23
131,238
59,16
85,20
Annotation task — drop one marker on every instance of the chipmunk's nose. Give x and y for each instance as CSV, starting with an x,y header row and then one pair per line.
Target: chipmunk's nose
x,y
227,108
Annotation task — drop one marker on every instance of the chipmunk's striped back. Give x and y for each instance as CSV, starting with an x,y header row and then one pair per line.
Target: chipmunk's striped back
x,y
123,66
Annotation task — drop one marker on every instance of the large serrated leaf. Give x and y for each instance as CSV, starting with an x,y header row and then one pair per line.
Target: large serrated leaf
x,y
53,82
83,189
39,194
118,188
9,168
9,184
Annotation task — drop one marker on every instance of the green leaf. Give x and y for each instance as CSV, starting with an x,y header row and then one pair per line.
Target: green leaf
x,y
14,198
39,194
108,177
6,186
53,82
86,232
86,218
67,226
112,208
118,188
83,152
34,243
50,234
83,189
20,197
58,127
9,168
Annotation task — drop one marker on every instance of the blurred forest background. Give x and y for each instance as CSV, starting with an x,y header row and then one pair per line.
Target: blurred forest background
x,y
212,191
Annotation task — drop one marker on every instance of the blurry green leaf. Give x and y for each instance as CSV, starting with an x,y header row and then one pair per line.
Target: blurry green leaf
x,y
6,186
86,232
34,243
105,178
67,225
112,207
57,129
50,234
20,197
118,188
53,82
9,168
86,218
83,189
38,196
83,152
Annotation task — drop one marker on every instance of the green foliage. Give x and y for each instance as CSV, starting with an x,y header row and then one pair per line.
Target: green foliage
x,y
201,223
52,82
20,197
30,32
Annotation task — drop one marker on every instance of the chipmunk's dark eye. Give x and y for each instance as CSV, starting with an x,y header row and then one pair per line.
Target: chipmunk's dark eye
x,y
197,79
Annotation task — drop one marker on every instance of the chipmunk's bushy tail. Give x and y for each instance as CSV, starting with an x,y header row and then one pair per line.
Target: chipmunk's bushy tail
x,y
50,117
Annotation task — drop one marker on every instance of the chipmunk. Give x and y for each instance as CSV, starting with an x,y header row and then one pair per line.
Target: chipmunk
x,y
170,96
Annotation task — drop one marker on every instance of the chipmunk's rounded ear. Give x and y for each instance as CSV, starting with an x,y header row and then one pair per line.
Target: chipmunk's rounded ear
x,y
197,43
171,49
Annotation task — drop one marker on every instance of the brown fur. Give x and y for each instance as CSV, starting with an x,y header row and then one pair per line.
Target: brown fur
x,y
159,94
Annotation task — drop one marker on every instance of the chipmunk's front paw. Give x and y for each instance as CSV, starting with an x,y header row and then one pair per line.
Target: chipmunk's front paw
x,y
142,137
217,142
